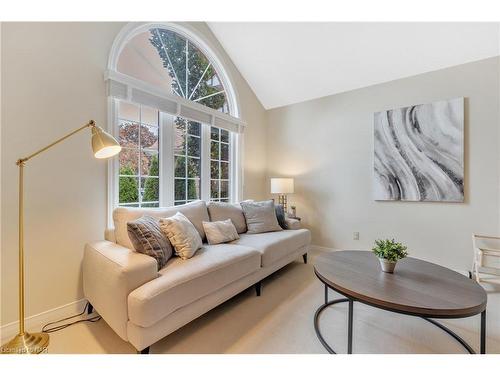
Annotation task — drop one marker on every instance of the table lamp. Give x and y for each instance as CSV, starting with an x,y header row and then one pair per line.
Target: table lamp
x,y
282,186
104,146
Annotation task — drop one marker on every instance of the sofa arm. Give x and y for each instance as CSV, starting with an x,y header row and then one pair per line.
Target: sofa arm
x,y
292,223
110,273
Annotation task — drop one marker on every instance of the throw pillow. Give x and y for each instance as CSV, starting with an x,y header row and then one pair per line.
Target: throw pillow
x,y
220,231
219,211
260,216
182,234
147,238
280,215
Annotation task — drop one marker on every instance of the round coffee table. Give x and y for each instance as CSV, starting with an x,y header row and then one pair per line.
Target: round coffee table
x,y
416,287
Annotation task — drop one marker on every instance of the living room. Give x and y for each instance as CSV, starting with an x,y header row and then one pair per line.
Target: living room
x,y
250,186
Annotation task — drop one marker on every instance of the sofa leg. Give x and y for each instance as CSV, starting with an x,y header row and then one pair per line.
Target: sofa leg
x,y
304,256
90,308
143,351
258,288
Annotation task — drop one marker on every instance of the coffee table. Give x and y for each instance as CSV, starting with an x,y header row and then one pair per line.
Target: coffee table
x,y
416,287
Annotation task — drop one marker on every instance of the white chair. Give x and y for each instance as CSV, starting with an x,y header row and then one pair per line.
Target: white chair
x,y
485,246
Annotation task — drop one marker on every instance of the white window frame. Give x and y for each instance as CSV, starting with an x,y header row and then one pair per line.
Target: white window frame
x,y
165,120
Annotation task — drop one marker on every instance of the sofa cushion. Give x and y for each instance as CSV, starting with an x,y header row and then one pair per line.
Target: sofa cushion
x,y
260,216
182,282
196,212
219,211
275,245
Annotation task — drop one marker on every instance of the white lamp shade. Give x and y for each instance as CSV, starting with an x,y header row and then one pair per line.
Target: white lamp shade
x,y
104,145
281,185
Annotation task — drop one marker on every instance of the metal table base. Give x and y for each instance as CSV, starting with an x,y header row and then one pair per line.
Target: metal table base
x,y
350,300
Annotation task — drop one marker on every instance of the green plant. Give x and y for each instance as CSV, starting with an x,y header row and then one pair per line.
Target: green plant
x,y
390,250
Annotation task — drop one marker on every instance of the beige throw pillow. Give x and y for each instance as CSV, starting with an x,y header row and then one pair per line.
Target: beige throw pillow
x,y
220,231
182,234
260,217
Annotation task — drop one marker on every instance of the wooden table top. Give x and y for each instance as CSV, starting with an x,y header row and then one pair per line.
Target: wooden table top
x,y
416,287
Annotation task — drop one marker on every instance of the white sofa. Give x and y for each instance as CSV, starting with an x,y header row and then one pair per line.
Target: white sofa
x,y
143,305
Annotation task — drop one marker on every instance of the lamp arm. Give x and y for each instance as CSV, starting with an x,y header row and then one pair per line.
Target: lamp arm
x,y
90,124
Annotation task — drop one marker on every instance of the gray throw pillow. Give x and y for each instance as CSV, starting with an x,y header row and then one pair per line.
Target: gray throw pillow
x,y
147,238
260,217
220,211
280,215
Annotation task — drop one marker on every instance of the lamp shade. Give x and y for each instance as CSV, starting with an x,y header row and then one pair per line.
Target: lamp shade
x,y
104,145
281,185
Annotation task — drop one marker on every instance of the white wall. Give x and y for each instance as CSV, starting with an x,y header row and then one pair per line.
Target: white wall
x,y
52,81
327,145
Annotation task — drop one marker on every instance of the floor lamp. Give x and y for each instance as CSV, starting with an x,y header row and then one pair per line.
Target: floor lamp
x,y
104,146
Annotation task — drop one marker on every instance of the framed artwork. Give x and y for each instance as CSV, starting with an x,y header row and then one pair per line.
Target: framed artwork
x,y
419,152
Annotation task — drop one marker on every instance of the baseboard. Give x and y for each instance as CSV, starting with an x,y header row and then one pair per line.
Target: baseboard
x,y
36,322
321,248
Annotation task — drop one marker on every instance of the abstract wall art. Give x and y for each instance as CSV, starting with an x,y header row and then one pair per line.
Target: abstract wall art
x,y
419,152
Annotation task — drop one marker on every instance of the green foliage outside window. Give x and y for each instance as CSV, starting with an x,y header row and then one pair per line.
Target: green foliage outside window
x,y
199,80
129,190
152,185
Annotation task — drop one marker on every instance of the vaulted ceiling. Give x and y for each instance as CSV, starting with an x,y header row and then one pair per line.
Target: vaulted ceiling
x,y
287,63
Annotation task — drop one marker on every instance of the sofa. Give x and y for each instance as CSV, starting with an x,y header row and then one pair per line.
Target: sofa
x,y
143,304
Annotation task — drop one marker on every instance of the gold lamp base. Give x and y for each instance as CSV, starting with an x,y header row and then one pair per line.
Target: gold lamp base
x,y
27,343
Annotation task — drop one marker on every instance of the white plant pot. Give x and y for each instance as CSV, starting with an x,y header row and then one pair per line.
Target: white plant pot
x,y
387,265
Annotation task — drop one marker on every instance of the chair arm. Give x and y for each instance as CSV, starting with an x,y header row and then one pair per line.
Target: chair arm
x,y
110,273
485,250
486,237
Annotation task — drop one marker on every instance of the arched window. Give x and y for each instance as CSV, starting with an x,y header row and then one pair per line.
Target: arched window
x,y
172,62
175,114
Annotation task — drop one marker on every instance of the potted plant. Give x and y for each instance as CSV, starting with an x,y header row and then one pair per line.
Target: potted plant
x,y
388,253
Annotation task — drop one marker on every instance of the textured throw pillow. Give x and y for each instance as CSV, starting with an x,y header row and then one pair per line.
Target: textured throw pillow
x,y
220,231
219,211
147,238
260,216
182,234
280,215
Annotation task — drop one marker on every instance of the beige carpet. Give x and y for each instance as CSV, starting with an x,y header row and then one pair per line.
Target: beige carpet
x,y
281,321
